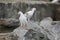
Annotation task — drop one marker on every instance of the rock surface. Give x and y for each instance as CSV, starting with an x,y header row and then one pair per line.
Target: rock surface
x,y
32,32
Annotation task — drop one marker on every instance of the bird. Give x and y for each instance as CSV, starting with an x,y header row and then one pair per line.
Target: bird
x,y
22,19
30,13
54,1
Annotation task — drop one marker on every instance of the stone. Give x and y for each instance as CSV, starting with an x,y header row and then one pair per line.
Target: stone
x,y
34,35
9,22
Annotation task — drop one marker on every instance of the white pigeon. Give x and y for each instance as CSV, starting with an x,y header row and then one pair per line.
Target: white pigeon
x,y
46,22
22,19
30,13
55,1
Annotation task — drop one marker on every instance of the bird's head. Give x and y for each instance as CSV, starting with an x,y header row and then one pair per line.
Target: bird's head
x,y
34,9
20,12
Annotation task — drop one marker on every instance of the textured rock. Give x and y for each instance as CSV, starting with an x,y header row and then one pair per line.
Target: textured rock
x,y
34,35
36,32
20,33
32,32
9,22
11,36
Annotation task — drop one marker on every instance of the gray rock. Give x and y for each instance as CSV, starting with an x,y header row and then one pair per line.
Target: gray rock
x,y
11,22
11,36
34,35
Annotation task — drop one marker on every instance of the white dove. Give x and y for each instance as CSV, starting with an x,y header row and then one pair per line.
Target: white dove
x,y
55,1
22,19
30,13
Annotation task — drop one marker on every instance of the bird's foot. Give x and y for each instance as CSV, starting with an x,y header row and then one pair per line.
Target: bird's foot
x,y
29,19
22,27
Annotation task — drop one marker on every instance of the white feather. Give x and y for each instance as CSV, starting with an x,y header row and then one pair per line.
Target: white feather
x,y
22,19
55,1
30,13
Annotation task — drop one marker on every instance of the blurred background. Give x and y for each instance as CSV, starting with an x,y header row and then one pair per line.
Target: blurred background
x,y
9,12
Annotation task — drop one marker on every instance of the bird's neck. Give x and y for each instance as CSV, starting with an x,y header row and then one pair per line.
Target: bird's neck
x,y
33,10
22,14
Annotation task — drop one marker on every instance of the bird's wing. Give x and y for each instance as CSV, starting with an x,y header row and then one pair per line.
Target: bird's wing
x,y
27,13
